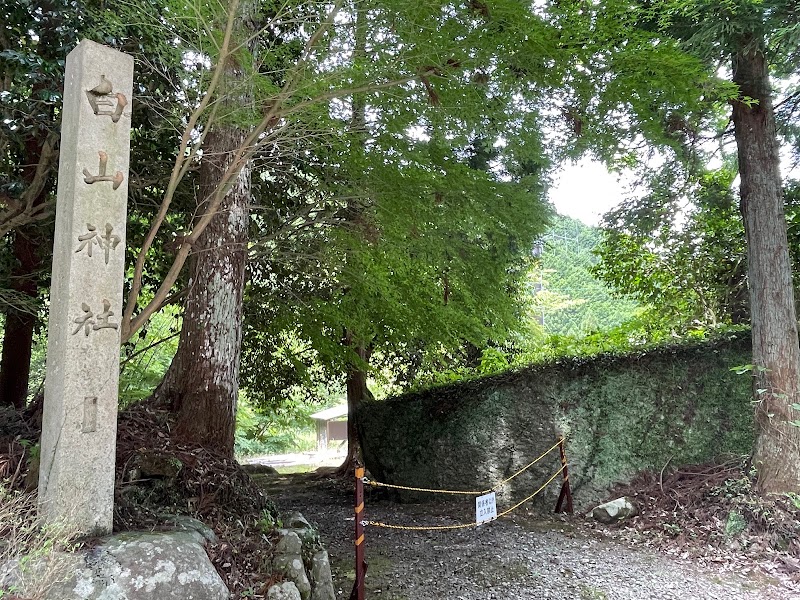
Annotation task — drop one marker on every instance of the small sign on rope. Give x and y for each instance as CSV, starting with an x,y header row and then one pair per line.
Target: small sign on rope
x,y
485,508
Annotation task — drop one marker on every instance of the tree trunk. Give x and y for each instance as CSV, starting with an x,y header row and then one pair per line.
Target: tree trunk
x,y
776,354
356,376
202,383
357,393
19,327
15,367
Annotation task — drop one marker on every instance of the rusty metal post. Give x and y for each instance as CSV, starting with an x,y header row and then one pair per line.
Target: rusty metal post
x,y
566,491
361,567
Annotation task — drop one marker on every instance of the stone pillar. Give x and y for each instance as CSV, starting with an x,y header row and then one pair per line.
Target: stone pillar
x,y
79,425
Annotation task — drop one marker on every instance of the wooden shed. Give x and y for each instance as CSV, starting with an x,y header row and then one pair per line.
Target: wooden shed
x,y
331,426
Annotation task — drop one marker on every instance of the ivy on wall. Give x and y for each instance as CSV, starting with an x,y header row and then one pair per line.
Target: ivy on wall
x,y
621,414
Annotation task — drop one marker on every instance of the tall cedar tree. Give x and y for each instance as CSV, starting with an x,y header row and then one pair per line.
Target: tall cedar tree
x,y
753,36
202,383
356,388
769,271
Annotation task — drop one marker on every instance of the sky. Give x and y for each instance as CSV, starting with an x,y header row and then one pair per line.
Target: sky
x,y
586,191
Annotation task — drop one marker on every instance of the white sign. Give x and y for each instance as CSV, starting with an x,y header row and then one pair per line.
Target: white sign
x,y
485,508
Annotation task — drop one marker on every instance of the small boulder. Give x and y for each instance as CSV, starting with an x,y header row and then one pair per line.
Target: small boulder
x,y
283,591
616,510
320,576
202,533
296,523
288,562
296,520
289,544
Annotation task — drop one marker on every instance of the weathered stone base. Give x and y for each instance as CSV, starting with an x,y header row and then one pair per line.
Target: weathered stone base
x,y
129,566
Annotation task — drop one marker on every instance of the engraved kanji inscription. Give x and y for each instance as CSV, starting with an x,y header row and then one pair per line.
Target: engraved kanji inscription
x,y
89,322
115,179
104,102
107,241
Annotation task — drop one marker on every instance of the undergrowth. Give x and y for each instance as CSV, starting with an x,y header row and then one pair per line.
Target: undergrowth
x,y
32,552
715,510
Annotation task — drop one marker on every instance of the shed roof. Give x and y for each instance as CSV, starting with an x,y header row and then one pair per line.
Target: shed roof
x,y
331,413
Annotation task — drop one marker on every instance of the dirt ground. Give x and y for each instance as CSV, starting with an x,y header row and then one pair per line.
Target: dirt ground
x,y
524,556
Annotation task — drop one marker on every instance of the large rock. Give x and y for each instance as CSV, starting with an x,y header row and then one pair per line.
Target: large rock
x,y
259,469
288,561
614,511
620,415
283,591
132,566
321,579
201,532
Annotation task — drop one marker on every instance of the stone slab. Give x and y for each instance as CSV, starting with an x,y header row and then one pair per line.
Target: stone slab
x,y
76,482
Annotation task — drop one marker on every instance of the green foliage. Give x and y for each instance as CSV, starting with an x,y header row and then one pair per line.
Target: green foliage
x,y
794,499
146,358
749,369
493,361
426,248
735,524
269,522
443,186
681,249
628,82
713,29
755,513
648,330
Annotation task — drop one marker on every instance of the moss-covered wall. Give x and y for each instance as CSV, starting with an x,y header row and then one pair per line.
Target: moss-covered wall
x,y
621,414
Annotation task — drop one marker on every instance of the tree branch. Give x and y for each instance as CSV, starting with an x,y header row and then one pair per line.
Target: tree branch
x,y
185,154
25,209
271,124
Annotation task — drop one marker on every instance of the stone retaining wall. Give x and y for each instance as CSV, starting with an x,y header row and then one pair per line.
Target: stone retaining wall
x,y
620,414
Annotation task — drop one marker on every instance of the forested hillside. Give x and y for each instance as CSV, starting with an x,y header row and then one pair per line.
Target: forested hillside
x,y
567,297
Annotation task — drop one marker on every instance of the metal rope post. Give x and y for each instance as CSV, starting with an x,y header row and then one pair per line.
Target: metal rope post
x,y
361,567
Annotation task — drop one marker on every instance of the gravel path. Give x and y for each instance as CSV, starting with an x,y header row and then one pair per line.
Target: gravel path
x,y
524,556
